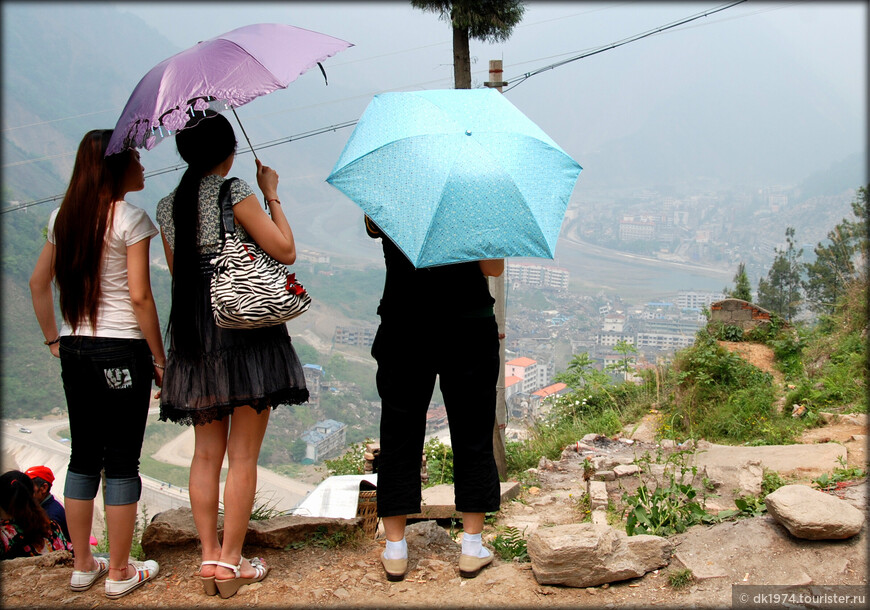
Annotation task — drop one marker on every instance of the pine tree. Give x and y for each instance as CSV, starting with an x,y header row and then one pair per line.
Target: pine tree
x,y
834,267
742,287
781,291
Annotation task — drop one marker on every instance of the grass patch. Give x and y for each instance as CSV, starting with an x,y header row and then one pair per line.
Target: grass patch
x,y
322,538
680,579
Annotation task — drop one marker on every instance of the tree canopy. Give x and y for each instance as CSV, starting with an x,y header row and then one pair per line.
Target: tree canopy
x,y
484,20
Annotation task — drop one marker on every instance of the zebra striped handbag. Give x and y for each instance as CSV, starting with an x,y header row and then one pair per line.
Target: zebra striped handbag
x,y
249,288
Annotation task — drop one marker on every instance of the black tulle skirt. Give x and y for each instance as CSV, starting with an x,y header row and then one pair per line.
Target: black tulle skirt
x,y
256,367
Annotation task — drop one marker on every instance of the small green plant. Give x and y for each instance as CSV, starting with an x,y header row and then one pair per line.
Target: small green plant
x,y
750,506
510,545
664,507
322,538
584,507
728,332
679,579
770,482
843,473
262,510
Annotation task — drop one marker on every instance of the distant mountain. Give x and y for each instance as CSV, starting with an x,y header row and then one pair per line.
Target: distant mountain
x,y
829,181
53,69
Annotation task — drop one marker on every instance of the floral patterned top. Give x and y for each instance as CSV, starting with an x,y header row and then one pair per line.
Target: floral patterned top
x,y
13,544
209,236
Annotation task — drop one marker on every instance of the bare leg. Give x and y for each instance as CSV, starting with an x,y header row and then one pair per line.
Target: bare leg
x,y
121,520
79,518
204,486
243,448
394,527
472,523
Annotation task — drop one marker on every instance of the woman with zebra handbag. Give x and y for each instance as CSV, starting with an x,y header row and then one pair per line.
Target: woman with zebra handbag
x,y
213,374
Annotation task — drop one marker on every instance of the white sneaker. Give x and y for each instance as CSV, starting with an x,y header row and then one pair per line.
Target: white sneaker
x,y
145,571
82,581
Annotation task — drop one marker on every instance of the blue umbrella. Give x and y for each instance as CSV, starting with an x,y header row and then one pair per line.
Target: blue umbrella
x,y
457,175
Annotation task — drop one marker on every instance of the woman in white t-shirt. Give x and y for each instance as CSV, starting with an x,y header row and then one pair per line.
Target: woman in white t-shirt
x,y
110,350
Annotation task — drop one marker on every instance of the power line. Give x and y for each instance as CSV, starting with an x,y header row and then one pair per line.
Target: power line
x,y
516,81
180,166
521,79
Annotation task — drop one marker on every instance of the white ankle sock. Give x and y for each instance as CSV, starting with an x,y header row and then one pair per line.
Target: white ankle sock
x,y
396,550
473,545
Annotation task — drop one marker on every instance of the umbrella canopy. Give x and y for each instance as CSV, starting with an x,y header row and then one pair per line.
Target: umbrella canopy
x,y
225,71
457,175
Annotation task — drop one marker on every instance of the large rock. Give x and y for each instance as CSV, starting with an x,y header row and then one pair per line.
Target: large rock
x,y
589,554
812,514
175,528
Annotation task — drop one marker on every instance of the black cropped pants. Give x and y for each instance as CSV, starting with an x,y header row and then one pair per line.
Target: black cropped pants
x,y
464,354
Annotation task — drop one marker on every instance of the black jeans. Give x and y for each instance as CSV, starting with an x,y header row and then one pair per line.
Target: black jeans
x,y
465,355
107,383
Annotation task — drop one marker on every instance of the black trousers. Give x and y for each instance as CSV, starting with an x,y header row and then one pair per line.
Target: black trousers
x,y
464,354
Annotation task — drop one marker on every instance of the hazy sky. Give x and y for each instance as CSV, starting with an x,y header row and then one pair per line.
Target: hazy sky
x,y
739,82
400,48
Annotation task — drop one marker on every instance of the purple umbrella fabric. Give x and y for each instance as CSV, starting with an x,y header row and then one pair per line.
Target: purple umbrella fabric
x,y
225,71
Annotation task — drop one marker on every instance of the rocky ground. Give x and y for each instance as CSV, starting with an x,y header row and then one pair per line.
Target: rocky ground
x,y
756,551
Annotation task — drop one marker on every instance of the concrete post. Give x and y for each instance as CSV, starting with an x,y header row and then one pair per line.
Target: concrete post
x,y
497,289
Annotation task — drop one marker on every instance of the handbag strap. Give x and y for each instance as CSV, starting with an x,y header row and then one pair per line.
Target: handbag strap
x,y
228,223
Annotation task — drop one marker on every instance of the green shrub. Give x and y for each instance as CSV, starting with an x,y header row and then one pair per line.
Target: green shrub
x,y
352,462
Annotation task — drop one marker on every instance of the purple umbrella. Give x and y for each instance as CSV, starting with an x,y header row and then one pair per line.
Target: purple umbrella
x,y
224,72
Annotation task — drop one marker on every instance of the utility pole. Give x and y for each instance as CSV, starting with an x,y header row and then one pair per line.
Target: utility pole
x,y
497,289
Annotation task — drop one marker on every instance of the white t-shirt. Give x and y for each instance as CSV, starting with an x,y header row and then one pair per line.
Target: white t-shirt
x,y
115,317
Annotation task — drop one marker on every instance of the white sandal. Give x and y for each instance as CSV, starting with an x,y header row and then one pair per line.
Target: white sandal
x,y
208,581
228,587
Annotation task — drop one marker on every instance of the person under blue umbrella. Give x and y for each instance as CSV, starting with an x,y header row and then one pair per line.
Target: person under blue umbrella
x,y
436,322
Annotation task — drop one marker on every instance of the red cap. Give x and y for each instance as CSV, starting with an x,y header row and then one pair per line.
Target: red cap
x,y
43,472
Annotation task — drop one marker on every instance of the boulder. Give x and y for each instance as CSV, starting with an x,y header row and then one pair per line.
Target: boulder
x,y
172,528
425,534
175,528
813,515
590,554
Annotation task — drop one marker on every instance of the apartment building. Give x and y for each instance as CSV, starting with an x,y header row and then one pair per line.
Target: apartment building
x,y
314,381
326,439
691,299
362,336
533,375
538,275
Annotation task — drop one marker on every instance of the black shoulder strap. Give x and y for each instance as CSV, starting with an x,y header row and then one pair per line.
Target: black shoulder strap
x,y
228,223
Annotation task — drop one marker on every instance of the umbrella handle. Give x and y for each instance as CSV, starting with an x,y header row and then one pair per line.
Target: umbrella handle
x,y
244,132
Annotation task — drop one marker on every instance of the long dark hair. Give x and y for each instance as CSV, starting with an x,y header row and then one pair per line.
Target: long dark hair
x,y
80,226
16,499
204,143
